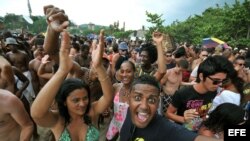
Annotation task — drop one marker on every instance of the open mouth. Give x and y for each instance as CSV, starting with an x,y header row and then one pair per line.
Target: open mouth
x,y
125,79
142,117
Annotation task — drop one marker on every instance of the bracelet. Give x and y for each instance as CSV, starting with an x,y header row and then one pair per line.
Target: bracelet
x,y
101,80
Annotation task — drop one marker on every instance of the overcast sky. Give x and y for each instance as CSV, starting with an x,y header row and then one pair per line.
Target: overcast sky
x,y
106,12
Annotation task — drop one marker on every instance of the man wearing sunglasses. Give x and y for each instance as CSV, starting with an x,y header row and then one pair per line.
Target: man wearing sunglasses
x,y
239,66
198,98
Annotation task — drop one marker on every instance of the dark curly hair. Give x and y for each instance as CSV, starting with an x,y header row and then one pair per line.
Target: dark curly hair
x,y
151,50
66,88
224,114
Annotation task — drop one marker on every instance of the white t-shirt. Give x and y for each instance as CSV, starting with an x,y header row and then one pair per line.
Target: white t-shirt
x,y
225,96
194,72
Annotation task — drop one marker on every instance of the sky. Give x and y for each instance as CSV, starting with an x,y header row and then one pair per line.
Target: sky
x,y
106,12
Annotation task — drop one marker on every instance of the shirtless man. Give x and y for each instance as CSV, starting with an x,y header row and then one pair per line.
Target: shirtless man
x,y
7,77
17,57
202,55
7,80
171,82
20,60
83,58
15,123
34,65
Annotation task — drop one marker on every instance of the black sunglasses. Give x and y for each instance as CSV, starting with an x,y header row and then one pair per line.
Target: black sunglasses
x,y
216,81
123,50
241,64
168,55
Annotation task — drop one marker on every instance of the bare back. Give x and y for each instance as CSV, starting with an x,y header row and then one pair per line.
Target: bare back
x,y
9,129
173,81
38,81
7,79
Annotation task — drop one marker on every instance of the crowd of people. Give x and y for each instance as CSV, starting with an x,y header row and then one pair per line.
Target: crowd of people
x,y
61,88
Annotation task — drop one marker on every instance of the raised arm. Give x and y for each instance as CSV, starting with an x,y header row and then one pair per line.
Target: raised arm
x,y
41,114
34,77
41,70
57,21
158,38
106,100
164,78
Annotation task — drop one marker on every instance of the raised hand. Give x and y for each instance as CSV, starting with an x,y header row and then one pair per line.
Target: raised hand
x,y
56,18
97,51
157,37
66,63
45,59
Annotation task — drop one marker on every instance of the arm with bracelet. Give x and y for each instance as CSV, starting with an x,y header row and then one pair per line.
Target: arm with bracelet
x,y
106,100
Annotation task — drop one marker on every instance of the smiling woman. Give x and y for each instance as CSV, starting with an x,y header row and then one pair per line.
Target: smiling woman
x,y
77,117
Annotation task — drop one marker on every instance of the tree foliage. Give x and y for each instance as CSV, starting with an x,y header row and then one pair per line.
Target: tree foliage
x,y
18,23
157,23
14,22
228,23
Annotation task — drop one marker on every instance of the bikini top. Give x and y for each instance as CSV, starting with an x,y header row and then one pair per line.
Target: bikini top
x,y
92,134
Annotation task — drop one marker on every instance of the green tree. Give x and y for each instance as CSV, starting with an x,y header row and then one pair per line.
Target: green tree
x,y
228,23
39,25
157,22
122,34
12,21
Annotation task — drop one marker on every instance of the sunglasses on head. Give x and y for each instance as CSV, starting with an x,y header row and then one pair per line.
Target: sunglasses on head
x,y
216,81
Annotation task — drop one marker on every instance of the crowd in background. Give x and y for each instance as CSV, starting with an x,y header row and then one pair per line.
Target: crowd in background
x,y
43,76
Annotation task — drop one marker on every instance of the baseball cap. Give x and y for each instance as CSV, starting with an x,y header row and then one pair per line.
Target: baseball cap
x,y
123,46
10,41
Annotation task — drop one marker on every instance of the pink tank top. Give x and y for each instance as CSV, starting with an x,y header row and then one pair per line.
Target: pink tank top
x,y
120,112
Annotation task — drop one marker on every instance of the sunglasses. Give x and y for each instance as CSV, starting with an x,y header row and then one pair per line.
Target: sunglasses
x,y
216,81
204,55
241,64
123,50
168,55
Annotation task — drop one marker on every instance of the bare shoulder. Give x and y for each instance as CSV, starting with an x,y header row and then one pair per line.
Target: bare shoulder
x,y
170,71
116,56
3,61
10,100
33,62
